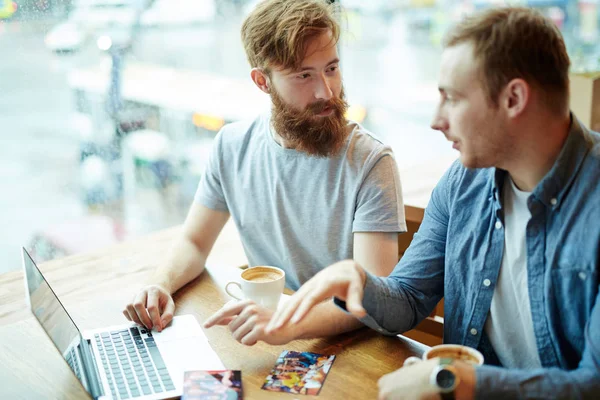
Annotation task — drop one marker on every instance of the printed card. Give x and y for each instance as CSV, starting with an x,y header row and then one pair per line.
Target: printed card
x,y
299,373
212,385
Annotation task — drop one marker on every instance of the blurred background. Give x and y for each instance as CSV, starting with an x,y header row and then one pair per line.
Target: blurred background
x,y
108,108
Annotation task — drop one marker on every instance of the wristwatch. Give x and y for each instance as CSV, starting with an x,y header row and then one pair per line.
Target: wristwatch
x,y
445,378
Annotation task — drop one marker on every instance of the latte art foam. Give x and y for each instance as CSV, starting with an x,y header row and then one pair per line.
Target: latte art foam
x,y
261,274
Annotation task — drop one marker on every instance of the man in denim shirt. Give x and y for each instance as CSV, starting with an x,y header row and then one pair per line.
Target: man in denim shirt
x,y
511,236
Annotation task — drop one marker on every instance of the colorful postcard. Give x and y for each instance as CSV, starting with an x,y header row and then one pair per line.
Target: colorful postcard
x,y
212,385
299,373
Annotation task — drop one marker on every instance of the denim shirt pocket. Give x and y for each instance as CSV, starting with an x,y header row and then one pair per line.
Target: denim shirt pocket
x,y
575,286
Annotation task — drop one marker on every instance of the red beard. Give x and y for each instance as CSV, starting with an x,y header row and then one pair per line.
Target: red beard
x,y
307,132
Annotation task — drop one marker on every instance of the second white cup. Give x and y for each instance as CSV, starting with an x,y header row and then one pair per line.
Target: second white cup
x,y
454,351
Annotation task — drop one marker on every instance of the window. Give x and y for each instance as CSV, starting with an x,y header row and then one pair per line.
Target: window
x,y
109,107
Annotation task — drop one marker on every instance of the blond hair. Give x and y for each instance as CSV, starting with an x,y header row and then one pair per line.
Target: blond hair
x,y
516,42
276,32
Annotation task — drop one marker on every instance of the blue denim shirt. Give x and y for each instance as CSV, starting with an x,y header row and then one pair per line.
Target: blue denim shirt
x,y
459,247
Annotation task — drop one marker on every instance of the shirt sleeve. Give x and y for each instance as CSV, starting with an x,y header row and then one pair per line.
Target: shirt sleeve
x,y
380,207
210,190
550,383
397,303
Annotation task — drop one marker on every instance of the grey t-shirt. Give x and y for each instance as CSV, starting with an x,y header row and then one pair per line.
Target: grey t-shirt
x,y
295,211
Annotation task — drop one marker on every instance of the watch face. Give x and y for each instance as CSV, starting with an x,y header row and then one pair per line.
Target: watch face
x,y
445,379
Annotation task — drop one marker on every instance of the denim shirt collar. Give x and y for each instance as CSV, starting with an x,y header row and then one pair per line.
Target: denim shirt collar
x,y
555,184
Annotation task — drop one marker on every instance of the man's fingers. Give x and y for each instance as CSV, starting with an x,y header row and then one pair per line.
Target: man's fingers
x,y
139,305
167,315
228,310
225,321
382,385
133,314
153,310
126,314
283,315
309,301
251,338
244,328
242,317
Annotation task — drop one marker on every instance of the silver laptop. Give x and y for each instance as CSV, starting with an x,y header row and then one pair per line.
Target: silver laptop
x,y
125,361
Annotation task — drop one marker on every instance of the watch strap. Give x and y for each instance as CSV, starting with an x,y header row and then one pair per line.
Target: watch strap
x,y
448,395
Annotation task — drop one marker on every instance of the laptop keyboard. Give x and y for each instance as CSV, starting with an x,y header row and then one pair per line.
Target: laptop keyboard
x,y
132,363
73,363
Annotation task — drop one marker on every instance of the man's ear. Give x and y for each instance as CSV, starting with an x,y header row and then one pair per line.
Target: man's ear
x,y
260,79
515,97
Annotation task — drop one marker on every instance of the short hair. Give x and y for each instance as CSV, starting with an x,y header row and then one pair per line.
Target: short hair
x,y
276,32
516,42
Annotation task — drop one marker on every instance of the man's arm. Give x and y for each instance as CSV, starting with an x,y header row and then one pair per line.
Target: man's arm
x,y
378,251
187,256
153,305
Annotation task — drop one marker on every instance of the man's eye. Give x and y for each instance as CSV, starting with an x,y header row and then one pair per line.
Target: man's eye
x,y
303,76
333,68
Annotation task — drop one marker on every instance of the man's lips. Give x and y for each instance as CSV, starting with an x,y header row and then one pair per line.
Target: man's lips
x,y
325,112
455,143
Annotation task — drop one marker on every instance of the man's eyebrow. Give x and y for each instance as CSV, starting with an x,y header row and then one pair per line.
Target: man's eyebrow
x,y
334,61
448,90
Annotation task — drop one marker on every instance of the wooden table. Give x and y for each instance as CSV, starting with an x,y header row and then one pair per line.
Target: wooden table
x,y
95,286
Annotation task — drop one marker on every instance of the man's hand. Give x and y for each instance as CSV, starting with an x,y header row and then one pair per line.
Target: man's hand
x,y
410,383
152,307
247,322
344,280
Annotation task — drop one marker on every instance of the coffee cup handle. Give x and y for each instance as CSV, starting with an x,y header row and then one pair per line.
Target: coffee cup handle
x,y
411,361
230,293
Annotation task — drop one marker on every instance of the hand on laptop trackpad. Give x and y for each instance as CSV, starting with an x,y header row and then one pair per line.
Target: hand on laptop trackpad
x,y
182,326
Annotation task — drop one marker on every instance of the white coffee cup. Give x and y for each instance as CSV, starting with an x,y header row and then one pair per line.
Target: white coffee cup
x,y
262,284
453,351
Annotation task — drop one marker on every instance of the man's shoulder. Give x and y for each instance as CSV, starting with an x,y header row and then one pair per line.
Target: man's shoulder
x,y
242,133
594,154
459,175
589,173
466,185
363,143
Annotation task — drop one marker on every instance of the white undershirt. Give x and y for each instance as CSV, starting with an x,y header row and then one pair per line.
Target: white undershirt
x,y
509,325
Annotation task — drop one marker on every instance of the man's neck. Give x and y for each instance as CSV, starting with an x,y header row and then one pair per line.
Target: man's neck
x,y
537,151
278,139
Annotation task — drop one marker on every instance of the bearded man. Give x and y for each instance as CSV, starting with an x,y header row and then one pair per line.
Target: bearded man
x,y
304,186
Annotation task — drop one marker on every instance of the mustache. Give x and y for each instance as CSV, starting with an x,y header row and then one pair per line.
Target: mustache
x,y
337,104
320,106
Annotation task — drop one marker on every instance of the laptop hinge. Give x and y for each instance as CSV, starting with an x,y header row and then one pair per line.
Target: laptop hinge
x,y
91,369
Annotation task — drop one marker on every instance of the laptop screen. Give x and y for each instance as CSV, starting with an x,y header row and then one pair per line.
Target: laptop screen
x,y
51,314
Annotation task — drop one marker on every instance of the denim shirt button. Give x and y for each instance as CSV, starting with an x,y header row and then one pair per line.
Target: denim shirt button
x,y
553,201
473,331
487,282
582,276
498,225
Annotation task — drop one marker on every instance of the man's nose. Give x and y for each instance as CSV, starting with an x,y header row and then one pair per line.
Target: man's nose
x,y
323,90
439,123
